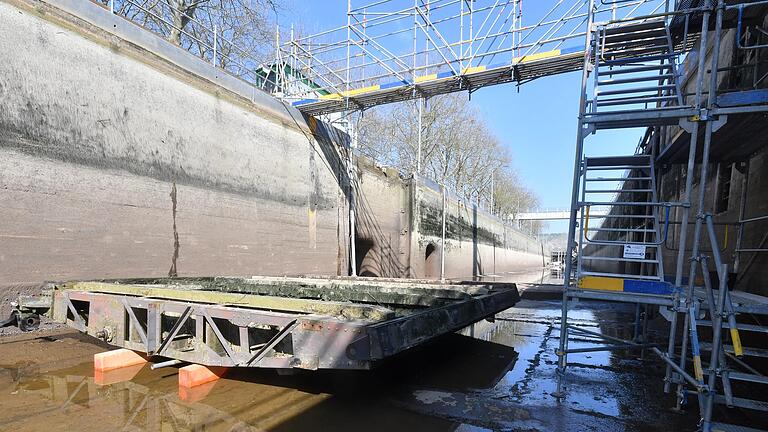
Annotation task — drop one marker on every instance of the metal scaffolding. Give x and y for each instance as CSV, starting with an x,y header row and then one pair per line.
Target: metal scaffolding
x,y
633,66
393,50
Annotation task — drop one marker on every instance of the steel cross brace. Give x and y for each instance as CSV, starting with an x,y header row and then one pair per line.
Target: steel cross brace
x,y
79,321
134,320
174,330
285,331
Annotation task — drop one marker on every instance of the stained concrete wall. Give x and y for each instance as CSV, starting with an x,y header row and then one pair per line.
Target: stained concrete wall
x,y
753,267
399,231
122,155
115,162
741,132
382,223
477,243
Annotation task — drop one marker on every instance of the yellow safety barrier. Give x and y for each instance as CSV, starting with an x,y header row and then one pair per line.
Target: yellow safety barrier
x,y
356,92
698,371
474,69
601,283
736,339
331,96
423,78
534,57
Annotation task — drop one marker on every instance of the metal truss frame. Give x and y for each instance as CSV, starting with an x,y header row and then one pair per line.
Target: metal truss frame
x,y
248,328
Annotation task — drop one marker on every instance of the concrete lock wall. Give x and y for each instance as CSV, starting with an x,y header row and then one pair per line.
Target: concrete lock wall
x,y
115,162
399,231
122,155
477,243
382,222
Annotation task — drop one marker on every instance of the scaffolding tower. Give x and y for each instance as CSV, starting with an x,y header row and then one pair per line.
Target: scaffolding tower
x,y
630,62
630,79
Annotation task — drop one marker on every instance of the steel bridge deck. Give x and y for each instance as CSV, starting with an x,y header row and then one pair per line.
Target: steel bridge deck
x,y
304,323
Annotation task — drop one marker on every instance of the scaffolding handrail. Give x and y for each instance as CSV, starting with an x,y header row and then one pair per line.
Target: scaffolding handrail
x,y
368,57
740,9
661,241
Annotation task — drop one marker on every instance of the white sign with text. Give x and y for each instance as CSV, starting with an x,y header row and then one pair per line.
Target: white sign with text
x,y
634,251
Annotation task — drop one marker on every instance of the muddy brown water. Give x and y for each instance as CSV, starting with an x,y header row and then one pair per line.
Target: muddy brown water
x,y
494,376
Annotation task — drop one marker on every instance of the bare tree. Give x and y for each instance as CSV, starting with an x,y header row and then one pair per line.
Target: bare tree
x,y
458,150
244,29
511,196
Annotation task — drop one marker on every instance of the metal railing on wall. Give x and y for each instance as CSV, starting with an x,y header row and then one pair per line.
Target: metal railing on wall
x,y
209,43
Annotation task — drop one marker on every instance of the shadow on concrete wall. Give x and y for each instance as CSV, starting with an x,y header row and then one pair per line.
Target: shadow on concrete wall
x,y
432,261
477,267
332,142
377,252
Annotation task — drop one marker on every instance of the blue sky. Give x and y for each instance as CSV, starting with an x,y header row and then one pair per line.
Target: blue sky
x,y
536,122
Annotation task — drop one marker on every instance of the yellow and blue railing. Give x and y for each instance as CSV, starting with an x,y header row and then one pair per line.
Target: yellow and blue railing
x,y
424,79
635,286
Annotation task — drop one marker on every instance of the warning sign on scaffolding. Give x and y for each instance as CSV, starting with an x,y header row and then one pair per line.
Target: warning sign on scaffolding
x,y
634,251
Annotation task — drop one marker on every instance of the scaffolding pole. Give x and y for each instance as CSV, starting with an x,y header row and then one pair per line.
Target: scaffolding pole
x,y
580,135
683,242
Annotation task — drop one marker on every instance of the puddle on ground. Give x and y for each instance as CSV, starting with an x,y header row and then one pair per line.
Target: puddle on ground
x,y
494,376
73,398
543,275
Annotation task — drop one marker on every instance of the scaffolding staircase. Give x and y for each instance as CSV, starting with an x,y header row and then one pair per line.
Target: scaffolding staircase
x,y
635,78
630,79
638,241
636,67
634,73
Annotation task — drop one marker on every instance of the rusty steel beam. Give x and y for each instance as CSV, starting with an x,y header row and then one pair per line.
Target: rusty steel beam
x,y
180,320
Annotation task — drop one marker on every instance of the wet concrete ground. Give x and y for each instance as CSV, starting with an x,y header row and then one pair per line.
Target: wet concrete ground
x,y
498,376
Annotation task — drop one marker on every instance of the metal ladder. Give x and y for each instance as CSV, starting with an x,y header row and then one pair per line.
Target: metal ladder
x,y
629,240
634,71
727,364
635,68
635,84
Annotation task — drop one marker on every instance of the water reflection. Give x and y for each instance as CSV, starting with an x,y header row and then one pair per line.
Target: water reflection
x,y
549,275
492,376
113,402
140,399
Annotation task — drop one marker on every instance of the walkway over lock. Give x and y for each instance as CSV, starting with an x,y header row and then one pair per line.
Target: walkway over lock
x,y
451,46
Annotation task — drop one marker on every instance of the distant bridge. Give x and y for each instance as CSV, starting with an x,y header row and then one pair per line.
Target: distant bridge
x,y
556,214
